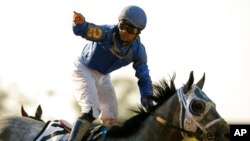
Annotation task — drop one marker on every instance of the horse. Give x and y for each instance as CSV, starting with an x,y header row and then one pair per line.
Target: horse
x,y
184,114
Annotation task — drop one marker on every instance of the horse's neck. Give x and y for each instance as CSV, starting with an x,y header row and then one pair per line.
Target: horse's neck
x,y
153,130
147,132
170,112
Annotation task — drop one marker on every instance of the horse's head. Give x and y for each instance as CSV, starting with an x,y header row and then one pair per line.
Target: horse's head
x,y
194,112
37,116
198,112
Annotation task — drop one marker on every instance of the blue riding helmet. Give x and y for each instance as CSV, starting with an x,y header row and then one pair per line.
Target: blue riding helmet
x,y
135,15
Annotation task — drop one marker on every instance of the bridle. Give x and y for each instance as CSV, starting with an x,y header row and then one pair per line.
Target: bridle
x,y
201,132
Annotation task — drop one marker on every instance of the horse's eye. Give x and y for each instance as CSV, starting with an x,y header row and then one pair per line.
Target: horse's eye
x,y
197,107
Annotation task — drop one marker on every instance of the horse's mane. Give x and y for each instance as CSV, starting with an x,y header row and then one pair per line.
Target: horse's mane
x,y
162,92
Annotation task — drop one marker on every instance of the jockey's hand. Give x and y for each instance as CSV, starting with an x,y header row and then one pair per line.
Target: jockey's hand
x,y
78,18
147,102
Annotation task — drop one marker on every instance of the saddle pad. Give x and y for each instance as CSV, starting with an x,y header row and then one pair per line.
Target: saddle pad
x,y
53,131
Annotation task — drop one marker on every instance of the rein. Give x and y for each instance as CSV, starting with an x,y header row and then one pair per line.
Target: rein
x,y
165,123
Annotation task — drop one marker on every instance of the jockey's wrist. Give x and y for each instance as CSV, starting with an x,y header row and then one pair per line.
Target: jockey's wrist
x,y
147,102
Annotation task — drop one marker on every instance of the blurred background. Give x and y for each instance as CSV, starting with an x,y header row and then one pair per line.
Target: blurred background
x,y
38,47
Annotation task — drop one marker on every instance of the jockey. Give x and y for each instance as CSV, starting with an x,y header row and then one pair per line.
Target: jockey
x,y
110,47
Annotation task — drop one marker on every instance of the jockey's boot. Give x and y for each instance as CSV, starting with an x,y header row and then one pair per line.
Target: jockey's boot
x,y
80,127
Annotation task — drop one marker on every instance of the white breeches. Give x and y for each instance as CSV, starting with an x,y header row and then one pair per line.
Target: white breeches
x,y
94,90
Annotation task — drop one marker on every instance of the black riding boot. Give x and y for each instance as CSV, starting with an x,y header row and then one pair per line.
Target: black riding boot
x,y
81,127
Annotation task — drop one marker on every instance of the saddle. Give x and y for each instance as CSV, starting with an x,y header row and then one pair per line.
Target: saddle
x,y
59,130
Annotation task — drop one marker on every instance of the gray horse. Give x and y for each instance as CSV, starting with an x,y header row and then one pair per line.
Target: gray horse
x,y
185,114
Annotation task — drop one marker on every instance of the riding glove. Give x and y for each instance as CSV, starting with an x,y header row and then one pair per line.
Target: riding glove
x,y
147,102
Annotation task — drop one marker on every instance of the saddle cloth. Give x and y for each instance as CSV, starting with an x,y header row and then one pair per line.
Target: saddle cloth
x,y
53,131
58,130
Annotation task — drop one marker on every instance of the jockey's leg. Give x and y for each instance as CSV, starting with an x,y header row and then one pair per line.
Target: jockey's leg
x,y
84,81
108,103
81,127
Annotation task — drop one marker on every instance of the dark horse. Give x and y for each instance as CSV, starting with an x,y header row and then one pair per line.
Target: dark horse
x,y
184,114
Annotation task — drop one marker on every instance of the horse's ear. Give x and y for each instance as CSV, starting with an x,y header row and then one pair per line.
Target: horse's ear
x,y
39,112
201,82
189,83
23,112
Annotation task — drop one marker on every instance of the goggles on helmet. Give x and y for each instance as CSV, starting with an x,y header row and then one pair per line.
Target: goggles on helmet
x,y
123,25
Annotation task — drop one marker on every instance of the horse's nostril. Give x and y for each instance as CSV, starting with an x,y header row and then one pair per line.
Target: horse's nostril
x,y
210,136
224,132
227,136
